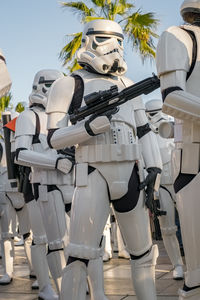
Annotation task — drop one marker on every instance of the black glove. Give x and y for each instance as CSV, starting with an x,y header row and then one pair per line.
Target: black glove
x,y
148,186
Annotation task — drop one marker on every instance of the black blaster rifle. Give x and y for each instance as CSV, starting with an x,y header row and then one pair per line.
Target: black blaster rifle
x,y
107,102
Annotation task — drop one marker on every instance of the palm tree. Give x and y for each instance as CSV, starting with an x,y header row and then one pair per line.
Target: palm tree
x,y
20,107
138,28
5,102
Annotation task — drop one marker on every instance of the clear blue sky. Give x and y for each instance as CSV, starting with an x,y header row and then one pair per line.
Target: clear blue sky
x,y
32,33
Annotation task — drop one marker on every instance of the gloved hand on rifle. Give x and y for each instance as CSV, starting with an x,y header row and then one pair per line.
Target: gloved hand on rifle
x,y
65,164
97,124
149,186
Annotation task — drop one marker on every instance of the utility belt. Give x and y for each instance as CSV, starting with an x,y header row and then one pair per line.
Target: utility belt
x,y
108,153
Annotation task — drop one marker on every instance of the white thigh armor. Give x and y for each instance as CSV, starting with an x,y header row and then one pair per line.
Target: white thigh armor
x,y
37,226
53,212
140,227
88,217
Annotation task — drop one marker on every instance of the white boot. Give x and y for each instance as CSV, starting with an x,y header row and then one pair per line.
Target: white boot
x,y
8,256
35,285
96,279
178,273
38,253
143,275
106,256
190,295
27,248
172,247
20,242
47,293
56,261
107,240
74,281
124,254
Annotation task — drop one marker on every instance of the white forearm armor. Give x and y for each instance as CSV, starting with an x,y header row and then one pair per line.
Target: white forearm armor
x,y
37,155
77,134
27,157
148,140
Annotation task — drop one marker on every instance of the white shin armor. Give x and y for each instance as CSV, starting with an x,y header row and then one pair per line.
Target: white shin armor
x,y
38,254
74,281
56,262
96,279
143,274
53,213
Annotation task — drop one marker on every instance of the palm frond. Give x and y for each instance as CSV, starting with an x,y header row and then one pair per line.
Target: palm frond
x,y
79,8
124,7
140,30
88,19
5,102
68,52
74,66
99,3
20,107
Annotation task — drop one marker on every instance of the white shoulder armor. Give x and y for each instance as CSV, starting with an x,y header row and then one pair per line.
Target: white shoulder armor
x,y
174,51
137,102
60,95
25,124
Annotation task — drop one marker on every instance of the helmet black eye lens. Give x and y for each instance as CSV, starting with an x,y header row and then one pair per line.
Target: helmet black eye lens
x,y
48,85
101,39
120,42
152,114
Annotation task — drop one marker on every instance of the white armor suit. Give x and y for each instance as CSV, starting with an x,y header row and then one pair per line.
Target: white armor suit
x,y
10,199
46,206
106,168
52,177
179,76
12,203
166,192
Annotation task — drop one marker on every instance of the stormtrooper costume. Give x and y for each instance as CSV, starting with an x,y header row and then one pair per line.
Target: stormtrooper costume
x,y
166,192
48,214
51,175
179,76
106,168
11,202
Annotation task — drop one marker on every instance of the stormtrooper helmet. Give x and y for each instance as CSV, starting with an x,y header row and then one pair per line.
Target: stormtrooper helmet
x,y
102,48
5,81
190,10
154,113
41,84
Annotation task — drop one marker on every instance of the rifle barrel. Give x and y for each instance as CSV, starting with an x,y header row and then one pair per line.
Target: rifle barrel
x,y
103,104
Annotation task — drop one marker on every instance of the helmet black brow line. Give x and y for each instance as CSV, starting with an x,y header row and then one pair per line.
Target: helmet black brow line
x,y
94,32
42,80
